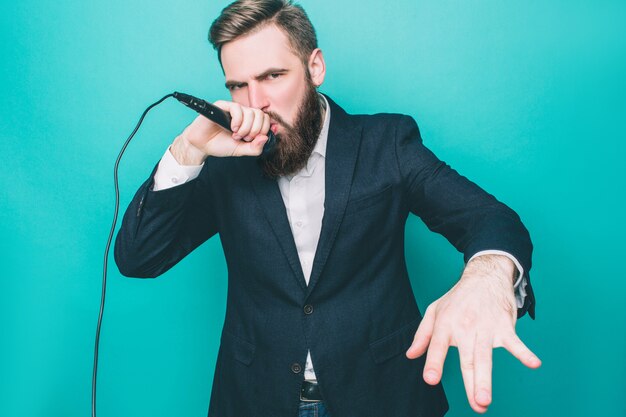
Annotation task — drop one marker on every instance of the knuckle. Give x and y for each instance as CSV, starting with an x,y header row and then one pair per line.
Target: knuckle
x,y
467,321
510,339
467,365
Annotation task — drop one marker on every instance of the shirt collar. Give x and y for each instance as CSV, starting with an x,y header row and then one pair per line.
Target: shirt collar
x,y
320,146
319,151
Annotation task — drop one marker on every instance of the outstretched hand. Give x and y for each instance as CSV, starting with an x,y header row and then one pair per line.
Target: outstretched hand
x,y
476,315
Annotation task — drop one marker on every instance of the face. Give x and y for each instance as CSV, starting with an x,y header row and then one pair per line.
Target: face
x,y
263,72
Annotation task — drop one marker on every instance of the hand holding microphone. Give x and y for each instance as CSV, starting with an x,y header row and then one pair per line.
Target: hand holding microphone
x,y
223,129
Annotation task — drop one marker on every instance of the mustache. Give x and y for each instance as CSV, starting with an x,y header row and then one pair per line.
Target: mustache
x,y
278,119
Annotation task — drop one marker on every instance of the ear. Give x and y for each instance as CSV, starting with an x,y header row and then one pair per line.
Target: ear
x,y
317,67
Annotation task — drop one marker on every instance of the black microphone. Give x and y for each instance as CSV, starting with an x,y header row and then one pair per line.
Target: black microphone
x,y
219,116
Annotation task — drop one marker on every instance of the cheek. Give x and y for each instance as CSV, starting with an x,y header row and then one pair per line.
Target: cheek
x,y
287,99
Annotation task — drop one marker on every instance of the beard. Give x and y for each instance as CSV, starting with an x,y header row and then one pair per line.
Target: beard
x,y
295,145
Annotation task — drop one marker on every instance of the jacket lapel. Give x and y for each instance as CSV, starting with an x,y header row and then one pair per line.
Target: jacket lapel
x,y
268,193
344,138
342,148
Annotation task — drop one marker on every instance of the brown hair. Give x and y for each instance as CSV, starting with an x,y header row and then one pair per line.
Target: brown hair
x,y
243,17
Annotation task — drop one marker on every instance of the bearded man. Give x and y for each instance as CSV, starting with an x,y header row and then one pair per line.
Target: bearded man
x,y
321,318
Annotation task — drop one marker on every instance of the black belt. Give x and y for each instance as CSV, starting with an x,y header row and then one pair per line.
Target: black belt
x,y
310,391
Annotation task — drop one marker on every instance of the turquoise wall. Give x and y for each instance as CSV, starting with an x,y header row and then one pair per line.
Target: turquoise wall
x,y
526,98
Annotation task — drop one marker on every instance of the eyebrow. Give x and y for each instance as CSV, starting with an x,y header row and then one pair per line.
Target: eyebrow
x,y
231,83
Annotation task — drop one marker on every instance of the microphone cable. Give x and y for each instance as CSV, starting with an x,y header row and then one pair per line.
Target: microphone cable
x,y
106,252
204,108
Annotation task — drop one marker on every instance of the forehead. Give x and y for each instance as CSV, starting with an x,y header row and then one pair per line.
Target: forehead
x,y
253,54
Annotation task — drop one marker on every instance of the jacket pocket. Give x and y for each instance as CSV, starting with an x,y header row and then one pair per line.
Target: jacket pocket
x,y
368,200
237,348
394,343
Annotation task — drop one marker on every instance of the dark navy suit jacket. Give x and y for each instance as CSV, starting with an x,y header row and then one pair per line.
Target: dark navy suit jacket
x,y
358,314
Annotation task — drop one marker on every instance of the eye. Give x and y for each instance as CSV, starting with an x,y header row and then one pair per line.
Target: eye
x,y
235,87
273,75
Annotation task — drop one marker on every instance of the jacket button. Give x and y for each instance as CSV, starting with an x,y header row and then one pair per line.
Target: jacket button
x,y
308,309
296,368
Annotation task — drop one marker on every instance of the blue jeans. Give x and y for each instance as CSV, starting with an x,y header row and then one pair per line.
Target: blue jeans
x,y
312,409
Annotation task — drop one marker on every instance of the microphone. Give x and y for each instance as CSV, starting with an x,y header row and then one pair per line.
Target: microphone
x,y
219,116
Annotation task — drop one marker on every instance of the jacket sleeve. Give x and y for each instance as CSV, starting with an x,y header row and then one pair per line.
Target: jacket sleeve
x,y
471,219
161,227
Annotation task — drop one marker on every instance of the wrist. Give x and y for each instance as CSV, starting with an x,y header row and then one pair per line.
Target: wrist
x,y
492,266
185,153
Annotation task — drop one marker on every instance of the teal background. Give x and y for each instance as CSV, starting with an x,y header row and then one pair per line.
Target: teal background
x,y
526,98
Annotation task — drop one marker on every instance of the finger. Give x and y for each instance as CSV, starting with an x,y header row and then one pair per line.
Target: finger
x,y
253,148
266,123
246,124
483,363
257,124
235,112
435,358
422,335
466,357
518,349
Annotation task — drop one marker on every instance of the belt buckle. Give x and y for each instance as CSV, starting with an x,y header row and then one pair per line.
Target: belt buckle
x,y
306,400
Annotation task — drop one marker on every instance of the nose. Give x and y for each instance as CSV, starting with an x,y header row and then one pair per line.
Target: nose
x,y
257,97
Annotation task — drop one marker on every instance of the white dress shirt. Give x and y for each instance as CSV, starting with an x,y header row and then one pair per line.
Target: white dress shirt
x,y
303,195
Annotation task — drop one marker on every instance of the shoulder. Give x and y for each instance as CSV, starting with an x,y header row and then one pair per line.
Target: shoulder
x,y
375,123
386,121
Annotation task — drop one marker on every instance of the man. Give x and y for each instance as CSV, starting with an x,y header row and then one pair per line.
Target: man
x,y
320,311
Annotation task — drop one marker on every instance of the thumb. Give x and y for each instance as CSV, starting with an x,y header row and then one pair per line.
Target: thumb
x,y
252,148
422,335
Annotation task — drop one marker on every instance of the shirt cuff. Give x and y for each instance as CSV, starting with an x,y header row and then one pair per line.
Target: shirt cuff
x,y
520,284
170,173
